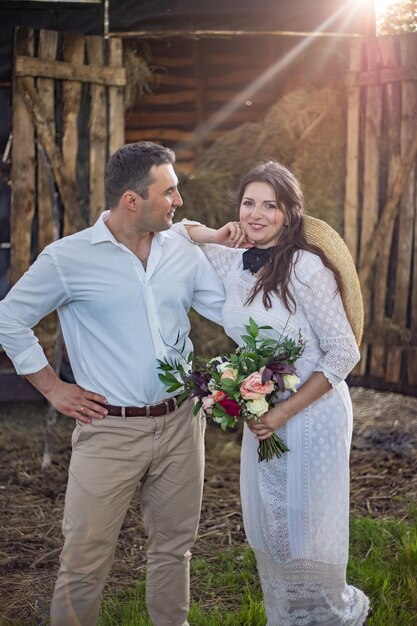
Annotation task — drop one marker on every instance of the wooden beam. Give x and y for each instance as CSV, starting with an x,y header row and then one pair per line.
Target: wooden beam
x,y
382,75
48,226
73,49
351,208
392,98
146,119
389,211
60,70
116,100
23,169
173,97
370,200
98,133
164,34
66,187
167,134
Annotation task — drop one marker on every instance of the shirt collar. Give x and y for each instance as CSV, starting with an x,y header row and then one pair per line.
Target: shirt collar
x,y
100,232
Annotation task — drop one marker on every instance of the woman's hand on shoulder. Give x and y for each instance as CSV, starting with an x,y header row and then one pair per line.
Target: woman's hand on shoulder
x,y
232,235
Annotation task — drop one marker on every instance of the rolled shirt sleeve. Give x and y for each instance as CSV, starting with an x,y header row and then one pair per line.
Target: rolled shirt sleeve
x,y
37,293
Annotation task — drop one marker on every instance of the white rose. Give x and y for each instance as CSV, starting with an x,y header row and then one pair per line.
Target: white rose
x,y
223,367
258,407
212,385
290,380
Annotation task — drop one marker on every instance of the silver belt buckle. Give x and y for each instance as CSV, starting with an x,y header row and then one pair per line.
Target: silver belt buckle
x,y
147,410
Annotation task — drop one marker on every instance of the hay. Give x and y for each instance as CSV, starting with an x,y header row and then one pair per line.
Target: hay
x,y
384,483
139,75
305,130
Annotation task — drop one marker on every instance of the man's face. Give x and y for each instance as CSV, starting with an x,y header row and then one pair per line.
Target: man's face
x,y
156,212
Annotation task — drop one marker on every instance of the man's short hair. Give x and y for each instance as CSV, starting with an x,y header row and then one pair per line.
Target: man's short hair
x,y
129,168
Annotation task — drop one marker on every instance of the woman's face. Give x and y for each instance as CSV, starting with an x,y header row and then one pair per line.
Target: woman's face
x,y
260,216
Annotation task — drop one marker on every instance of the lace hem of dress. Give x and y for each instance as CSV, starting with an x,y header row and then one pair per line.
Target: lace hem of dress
x,y
309,593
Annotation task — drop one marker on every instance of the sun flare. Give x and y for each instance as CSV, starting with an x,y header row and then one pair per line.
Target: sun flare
x,y
382,5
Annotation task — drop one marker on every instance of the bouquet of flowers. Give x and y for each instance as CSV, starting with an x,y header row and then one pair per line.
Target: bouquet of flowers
x,y
241,385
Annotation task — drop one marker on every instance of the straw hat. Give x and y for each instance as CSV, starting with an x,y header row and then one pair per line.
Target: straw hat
x,y
325,237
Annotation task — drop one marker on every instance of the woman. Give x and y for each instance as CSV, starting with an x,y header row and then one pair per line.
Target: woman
x,y
295,508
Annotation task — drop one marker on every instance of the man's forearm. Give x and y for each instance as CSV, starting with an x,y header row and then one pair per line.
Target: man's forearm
x,y
45,381
69,399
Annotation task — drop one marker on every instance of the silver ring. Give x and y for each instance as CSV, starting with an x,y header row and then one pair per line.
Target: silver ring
x,y
81,409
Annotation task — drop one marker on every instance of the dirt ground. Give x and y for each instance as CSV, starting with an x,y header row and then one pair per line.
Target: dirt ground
x,y
384,484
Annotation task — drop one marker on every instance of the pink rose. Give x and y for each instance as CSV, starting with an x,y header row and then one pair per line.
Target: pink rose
x,y
253,389
208,402
230,373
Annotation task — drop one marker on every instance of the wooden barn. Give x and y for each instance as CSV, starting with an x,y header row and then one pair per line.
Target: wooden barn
x,y
79,79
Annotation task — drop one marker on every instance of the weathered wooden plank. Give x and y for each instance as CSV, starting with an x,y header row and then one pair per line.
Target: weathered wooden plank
x,y
403,283
67,189
200,92
392,95
233,78
389,211
384,75
23,168
98,133
240,60
164,61
218,95
48,224
146,119
176,80
370,201
28,66
173,97
167,134
116,100
73,50
351,209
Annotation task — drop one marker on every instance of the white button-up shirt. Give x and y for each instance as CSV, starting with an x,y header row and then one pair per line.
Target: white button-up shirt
x,y
116,318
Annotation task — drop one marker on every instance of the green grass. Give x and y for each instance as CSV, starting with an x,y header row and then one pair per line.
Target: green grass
x,y
383,563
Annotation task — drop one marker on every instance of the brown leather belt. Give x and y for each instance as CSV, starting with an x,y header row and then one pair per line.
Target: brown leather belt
x,y
149,410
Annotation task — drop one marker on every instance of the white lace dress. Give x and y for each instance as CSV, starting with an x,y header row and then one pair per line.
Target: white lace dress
x,y
296,508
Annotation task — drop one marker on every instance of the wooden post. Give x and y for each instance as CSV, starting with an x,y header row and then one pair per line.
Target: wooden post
x,y
48,41
73,49
67,189
351,209
23,168
403,271
392,92
98,133
370,202
116,100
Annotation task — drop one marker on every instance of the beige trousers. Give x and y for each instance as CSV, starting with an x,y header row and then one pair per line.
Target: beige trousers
x,y
164,456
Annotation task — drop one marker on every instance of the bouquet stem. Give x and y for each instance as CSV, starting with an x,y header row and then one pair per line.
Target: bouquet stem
x,y
268,448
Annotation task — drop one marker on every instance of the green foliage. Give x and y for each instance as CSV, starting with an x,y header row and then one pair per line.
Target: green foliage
x,y
398,18
227,591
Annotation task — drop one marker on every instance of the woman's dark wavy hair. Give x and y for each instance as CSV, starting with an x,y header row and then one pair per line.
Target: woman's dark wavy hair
x,y
275,276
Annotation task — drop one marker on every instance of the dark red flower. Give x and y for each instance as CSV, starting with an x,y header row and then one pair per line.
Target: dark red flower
x,y
230,406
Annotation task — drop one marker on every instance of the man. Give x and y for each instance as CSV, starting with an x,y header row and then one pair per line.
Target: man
x,y
122,289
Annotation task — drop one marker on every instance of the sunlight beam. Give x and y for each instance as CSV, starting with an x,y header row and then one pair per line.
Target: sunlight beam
x,y
248,92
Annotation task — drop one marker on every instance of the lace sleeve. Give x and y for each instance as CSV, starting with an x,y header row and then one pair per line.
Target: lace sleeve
x,y
222,258
315,289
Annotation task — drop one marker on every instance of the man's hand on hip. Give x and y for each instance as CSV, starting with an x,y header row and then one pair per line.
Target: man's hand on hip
x,y
67,398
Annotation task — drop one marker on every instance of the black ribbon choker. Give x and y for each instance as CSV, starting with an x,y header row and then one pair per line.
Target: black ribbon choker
x,y
255,258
